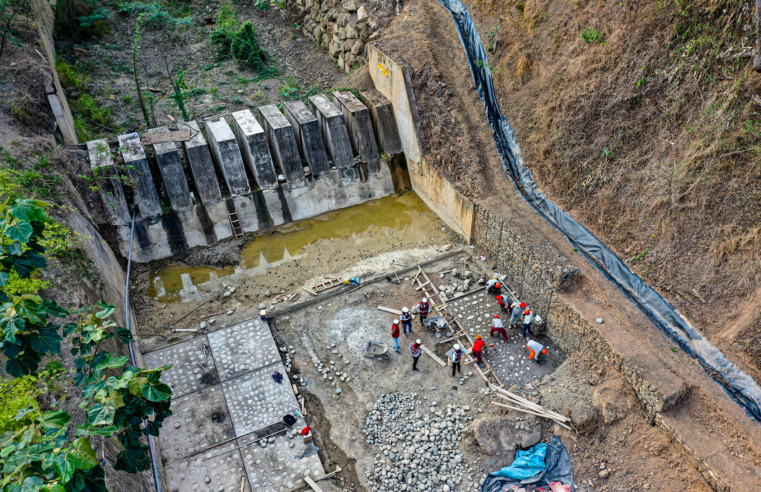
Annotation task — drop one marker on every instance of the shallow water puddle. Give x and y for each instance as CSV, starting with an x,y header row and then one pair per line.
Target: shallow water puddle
x,y
394,213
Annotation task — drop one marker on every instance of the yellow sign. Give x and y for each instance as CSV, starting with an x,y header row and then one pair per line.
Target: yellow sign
x,y
385,71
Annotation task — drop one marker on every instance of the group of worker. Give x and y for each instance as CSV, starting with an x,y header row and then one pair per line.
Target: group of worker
x,y
404,325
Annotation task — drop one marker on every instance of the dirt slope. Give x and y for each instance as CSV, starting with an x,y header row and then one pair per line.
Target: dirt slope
x,y
649,134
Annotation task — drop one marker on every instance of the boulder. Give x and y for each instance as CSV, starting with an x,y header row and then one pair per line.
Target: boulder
x,y
497,436
361,13
576,405
613,400
351,33
350,6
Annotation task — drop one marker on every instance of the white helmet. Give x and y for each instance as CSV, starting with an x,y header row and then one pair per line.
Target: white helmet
x,y
456,346
418,341
404,309
425,300
396,321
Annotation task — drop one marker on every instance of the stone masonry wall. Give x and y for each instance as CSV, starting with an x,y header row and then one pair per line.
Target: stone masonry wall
x,y
342,27
536,272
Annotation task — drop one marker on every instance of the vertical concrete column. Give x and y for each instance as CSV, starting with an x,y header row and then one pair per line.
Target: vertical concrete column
x,y
227,154
255,150
111,191
282,143
360,128
308,135
334,134
202,167
170,166
225,149
384,123
146,197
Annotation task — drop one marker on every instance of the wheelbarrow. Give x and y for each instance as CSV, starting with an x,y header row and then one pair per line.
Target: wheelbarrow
x,y
376,349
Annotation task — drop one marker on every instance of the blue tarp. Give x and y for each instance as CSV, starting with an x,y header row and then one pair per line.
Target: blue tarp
x,y
740,386
555,467
527,463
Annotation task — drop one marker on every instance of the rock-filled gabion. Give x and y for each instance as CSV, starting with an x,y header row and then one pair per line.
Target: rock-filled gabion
x,y
418,444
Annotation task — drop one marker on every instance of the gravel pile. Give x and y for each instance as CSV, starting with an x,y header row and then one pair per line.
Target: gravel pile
x,y
418,445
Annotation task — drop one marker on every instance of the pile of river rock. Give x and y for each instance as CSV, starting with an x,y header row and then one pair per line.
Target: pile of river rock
x,y
418,445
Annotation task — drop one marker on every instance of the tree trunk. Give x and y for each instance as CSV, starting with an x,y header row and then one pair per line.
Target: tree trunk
x,y
757,60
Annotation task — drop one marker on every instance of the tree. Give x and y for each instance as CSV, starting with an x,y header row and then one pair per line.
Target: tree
x,y
9,9
45,452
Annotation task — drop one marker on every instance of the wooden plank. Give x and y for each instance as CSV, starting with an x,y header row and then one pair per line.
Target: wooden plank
x,y
422,285
433,356
390,310
529,411
312,483
331,474
313,293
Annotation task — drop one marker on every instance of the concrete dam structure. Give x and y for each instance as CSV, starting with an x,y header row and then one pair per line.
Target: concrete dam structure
x,y
255,172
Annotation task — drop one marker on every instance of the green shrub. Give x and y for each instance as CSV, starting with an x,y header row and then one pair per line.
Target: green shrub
x,y
155,16
16,394
591,35
241,45
69,76
227,18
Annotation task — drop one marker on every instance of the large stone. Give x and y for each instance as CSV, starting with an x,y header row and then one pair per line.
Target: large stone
x,y
226,152
146,197
255,149
497,436
360,127
110,189
170,166
384,123
282,141
577,405
308,134
334,133
351,33
361,13
199,158
357,48
350,6
613,400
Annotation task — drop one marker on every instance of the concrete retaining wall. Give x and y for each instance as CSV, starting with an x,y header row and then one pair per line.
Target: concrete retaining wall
x,y
439,194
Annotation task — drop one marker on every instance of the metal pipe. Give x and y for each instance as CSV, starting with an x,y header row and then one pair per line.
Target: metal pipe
x,y
151,449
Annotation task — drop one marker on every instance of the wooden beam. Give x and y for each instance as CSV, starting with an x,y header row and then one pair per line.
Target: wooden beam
x,y
313,293
529,411
433,356
312,483
390,310
331,474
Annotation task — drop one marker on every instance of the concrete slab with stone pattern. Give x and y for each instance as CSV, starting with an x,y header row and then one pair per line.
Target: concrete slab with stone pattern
x,y
199,420
334,134
186,359
255,149
508,359
111,190
360,127
272,463
243,348
143,187
283,144
255,400
308,135
170,166
384,123
223,472
224,148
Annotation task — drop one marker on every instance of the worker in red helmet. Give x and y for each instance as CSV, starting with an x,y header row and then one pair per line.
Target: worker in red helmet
x,y
478,350
423,308
498,327
493,285
501,302
528,317
535,351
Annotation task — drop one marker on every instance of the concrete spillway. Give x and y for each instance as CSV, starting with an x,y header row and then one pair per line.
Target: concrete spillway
x,y
245,174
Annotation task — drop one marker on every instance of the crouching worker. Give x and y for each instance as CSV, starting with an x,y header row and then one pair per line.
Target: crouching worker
x,y
478,350
493,286
498,327
535,351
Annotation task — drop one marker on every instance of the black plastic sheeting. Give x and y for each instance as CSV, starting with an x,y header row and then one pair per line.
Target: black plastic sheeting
x,y
735,382
557,468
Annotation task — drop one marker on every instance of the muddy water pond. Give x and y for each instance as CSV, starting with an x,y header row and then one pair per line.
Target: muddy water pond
x,y
380,226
